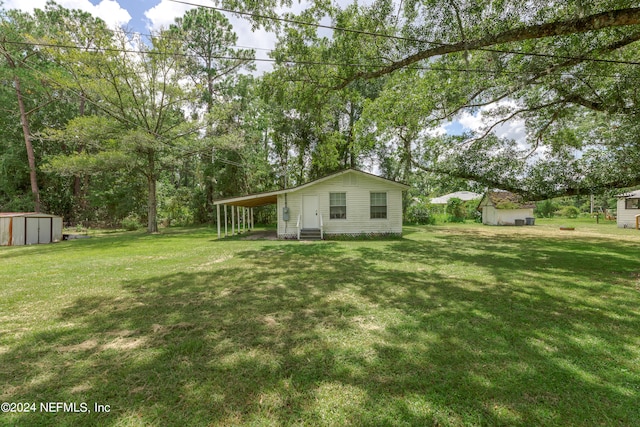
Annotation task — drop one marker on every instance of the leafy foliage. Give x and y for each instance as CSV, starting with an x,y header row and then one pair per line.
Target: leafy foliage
x,y
455,209
379,91
420,213
546,208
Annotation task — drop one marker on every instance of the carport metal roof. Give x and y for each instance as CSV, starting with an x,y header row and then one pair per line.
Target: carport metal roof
x,y
252,200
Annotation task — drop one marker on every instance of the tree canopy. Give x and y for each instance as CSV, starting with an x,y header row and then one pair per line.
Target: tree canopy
x,y
177,119
567,69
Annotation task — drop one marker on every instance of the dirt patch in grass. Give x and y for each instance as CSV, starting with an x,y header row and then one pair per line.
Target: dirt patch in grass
x,y
261,235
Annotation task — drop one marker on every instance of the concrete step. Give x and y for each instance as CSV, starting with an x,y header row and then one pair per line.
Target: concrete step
x,y
310,234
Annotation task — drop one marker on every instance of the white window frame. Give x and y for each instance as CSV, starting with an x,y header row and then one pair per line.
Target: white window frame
x,y
372,206
338,206
628,204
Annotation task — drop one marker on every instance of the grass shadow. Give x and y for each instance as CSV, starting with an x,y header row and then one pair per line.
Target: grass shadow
x,y
332,333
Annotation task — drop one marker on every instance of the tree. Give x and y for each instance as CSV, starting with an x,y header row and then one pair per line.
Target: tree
x,y
18,59
212,65
140,88
552,64
317,126
33,100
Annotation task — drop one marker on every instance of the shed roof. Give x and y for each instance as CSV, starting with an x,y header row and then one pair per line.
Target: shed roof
x,y
271,197
630,195
27,214
501,199
462,195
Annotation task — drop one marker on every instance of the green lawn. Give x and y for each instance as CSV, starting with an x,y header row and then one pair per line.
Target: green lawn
x,y
451,325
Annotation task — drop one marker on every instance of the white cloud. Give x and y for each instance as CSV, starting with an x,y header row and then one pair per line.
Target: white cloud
x,y
108,10
112,13
164,14
473,122
512,129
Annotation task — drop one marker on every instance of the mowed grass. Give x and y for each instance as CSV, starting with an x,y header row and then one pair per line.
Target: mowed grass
x,y
461,325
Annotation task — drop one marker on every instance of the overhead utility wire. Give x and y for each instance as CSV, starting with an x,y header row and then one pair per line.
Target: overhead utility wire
x,y
298,22
298,62
389,36
183,39
187,55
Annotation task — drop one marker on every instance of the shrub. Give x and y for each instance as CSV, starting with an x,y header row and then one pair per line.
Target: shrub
x,y
131,223
545,209
456,210
570,212
420,214
472,213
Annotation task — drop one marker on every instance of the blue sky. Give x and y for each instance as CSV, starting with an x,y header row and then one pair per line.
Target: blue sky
x,y
128,13
144,16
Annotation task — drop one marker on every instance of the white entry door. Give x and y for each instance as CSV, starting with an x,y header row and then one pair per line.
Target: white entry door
x,y
310,212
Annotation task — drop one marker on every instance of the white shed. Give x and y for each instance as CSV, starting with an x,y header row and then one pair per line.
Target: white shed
x,y
350,202
29,229
505,208
628,208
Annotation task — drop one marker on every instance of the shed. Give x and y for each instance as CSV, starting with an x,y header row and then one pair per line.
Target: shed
x,y
351,202
29,228
505,208
627,208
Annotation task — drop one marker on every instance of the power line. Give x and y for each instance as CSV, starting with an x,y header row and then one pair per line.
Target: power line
x,y
122,50
409,39
183,39
310,24
294,62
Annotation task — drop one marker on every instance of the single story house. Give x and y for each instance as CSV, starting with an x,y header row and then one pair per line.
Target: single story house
x,y
350,202
628,208
29,229
465,196
505,208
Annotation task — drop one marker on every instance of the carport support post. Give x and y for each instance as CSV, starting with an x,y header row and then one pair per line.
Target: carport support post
x,y
238,212
233,221
225,220
252,223
218,219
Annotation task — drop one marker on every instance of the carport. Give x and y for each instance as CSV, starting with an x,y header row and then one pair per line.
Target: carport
x,y
241,210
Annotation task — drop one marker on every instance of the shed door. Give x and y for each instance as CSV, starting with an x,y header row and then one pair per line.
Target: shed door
x,y
310,212
32,232
44,230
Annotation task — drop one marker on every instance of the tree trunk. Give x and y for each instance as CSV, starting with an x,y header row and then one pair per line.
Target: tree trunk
x,y
152,220
27,141
78,189
350,139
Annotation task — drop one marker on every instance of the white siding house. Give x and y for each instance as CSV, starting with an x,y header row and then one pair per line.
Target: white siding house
x,y
628,208
505,208
350,202
29,229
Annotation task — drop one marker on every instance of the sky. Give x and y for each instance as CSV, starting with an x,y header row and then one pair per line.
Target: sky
x,y
145,16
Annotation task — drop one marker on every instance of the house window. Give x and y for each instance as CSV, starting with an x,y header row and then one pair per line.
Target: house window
x,y
632,204
379,205
337,205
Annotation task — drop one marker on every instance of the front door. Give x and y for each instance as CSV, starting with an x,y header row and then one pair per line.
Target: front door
x,y
310,212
